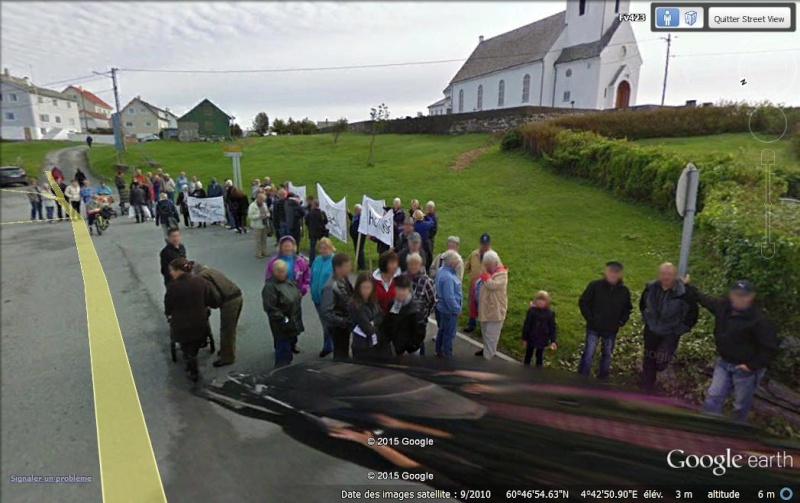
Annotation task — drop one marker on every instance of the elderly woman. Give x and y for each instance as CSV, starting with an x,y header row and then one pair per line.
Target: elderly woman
x,y
299,270
183,204
321,270
453,243
282,302
492,301
422,287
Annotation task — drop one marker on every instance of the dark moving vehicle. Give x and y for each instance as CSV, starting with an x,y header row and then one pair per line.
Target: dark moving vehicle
x,y
496,428
12,175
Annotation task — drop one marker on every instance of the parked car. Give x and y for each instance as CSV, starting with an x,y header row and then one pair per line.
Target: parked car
x,y
149,137
12,175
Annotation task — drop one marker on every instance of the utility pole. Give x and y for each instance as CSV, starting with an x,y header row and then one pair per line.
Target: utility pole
x,y
119,115
666,68
83,108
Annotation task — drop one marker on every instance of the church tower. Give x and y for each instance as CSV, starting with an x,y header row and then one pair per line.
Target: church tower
x,y
588,20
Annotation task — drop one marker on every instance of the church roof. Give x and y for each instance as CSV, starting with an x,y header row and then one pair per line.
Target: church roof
x,y
527,44
590,49
438,103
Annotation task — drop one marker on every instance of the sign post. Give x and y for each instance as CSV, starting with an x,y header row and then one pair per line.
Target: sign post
x,y
235,153
686,203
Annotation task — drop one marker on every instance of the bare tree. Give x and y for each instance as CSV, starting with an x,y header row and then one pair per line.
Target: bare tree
x,y
338,128
378,115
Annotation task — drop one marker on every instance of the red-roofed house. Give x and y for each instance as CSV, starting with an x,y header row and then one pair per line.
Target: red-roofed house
x,y
94,112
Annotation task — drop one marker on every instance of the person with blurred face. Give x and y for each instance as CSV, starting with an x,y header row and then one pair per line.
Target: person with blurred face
x,y
321,270
453,243
422,288
606,306
399,216
492,302
414,246
474,268
746,343
334,307
405,324
430,212
366,314
259,216
449,299
668,311
401,243
174,249
282,302
297,265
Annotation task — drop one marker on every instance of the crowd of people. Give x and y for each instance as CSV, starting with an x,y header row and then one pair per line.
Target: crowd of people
x,y
385,312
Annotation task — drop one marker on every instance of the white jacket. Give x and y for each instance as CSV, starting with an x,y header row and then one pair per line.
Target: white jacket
x,y
254,214
72,193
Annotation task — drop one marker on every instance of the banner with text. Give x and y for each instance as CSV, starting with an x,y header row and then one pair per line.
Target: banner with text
x,y
206,209
367,204
299,191
336,213
378,225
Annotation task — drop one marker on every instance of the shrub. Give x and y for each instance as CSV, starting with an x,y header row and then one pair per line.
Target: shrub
x,y
794,139
539,138
512,140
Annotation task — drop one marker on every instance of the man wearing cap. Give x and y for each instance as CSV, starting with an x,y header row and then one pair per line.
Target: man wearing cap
x,y
474,268
746,343
668,311
453,243
606,306
414,246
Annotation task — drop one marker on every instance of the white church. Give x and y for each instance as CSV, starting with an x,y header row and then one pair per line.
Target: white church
x,y
583,57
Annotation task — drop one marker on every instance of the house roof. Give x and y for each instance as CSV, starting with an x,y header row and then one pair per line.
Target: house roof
x,y
95,115
160,113
590,49
89,96
527,44
206,100
27,86
438,103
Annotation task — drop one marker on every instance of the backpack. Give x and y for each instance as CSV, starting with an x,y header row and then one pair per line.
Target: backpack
x,y
165,211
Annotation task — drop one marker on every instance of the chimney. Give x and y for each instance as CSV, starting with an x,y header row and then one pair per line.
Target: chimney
x,y
480,39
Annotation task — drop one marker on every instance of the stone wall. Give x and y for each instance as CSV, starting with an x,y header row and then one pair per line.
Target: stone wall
x,y
489,121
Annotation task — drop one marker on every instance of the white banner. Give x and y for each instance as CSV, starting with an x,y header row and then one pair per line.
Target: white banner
x,y
377,225
336,213
375,205
206,209
299,191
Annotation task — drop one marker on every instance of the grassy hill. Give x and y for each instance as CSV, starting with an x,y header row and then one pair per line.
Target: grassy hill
x,y
553,233
30,155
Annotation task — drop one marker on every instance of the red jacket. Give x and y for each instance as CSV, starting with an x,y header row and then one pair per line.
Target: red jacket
x,y
385,297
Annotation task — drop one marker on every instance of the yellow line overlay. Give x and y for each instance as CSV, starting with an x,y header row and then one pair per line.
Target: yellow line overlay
x,y
128,468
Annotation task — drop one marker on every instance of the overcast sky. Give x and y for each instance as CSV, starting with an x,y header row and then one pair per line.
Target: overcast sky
x,y
56,41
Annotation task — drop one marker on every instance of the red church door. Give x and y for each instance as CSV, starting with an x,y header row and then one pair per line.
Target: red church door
x,y
623,94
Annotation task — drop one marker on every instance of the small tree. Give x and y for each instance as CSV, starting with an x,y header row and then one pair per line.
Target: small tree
x,y
378,115
236,131
279,127
307,126
338,128
261,123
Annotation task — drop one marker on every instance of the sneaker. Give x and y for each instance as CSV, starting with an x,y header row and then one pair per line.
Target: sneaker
x,y
479,353
468,330
295,351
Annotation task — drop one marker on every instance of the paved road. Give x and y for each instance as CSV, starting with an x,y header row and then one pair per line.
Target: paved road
x,y
204,452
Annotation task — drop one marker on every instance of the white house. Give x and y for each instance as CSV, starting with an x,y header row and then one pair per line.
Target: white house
x,y
94,112
30,112
140,118
583,57
438,108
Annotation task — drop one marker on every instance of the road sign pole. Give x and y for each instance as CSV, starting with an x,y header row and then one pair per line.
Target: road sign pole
x,y
689,210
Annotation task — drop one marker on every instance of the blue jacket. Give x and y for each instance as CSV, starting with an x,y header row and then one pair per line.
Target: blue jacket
x,y
448,291
424,228
321,270
86,193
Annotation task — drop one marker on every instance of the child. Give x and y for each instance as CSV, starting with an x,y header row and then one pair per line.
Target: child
x,y
539,329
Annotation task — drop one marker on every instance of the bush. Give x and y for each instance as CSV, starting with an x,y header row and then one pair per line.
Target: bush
x,y
512,140
794,139
539,138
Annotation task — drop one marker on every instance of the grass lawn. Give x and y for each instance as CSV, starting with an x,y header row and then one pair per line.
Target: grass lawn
x,y
744,143
554,233
30,155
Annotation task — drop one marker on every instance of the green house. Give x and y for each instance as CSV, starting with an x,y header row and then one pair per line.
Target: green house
x,y
203,122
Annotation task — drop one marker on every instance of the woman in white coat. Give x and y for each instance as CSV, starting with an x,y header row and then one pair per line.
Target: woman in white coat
x,y
73,195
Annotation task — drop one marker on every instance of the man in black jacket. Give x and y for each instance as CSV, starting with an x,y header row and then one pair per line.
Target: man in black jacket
x,y
174,249
414,246
668,311
279,215
335,298
317,222
405,324
606,307
746,343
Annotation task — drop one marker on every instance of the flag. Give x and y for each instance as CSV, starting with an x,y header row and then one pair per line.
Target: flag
x,y
367,203
299,191
206,209
336,213
379,226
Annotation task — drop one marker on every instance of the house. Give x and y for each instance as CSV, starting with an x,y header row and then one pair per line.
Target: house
x,y
94,112
583,57
30,112
140,118
204,121
438,108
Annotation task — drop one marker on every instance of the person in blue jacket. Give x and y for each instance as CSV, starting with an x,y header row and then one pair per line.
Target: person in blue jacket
x,y
449,299
321,270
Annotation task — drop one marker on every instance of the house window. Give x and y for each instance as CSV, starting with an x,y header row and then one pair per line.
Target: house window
x,y
569,73
566,95
55,103
148,124
526,88
58,119
460,100
69,105
480,97
13,97
43,130
129,124
501,93
616,6
72,122
142,110
10,116
41,100
582,7
131,110
44,118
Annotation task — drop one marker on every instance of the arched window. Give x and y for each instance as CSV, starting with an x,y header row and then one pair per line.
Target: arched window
x,y
480,97
582,7
501,93
526,88
460,100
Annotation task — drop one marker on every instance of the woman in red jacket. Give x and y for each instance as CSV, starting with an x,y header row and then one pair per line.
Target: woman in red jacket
x,y
383,279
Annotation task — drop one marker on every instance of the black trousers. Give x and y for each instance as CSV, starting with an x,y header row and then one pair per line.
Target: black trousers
x,y
529,351
189,351
658,352
76,205
428,246
360,262
186,220
341,343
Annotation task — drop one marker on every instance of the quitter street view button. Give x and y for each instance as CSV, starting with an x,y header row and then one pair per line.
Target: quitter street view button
x,y
750,17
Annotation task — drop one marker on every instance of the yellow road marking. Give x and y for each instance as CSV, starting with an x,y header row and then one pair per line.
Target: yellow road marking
x,y
128,468
34,221
48,196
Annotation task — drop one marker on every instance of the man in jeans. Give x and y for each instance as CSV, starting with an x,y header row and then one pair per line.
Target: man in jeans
x,y
746,342
448,304
606,307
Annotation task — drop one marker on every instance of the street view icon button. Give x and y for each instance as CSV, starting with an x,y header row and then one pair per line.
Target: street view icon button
x,y
668,17
750,17
683,17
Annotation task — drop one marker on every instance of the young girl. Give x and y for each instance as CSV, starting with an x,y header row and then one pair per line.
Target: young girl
x,y
366,315
539,330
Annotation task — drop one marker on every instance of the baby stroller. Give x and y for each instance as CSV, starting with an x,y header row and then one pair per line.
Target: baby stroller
x,y
108,201
98,215
174,346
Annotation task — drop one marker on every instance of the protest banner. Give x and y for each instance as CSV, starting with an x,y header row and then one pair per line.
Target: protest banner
x,y
336,213
299,191
378,225
207,209
367,204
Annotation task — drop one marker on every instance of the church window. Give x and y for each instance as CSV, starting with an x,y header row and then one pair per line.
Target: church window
x,y
480,97
501,93
569,72
582,7
566,95
461,100
623,51
526,88
616,7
